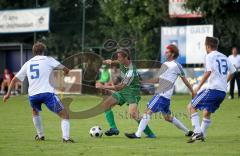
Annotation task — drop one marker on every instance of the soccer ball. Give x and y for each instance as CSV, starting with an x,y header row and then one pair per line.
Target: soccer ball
x,y
96,132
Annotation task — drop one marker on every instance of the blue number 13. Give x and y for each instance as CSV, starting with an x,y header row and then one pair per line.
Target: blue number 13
x,y
222,66
34,69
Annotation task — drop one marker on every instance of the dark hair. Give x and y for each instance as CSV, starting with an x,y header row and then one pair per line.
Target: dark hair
x,y
124,52
39,48
173,49
212,42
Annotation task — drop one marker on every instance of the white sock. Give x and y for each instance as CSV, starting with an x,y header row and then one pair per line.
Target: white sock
x,y
37,121
180,125
205,124
143,124
65,125
195,122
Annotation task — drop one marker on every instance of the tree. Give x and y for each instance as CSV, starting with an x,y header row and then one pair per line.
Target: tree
x,y
139,20
224,15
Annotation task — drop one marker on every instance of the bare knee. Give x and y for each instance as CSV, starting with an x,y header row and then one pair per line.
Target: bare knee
x,y
134,115
63,114
35,112
191,109
206,114
148,111
168,118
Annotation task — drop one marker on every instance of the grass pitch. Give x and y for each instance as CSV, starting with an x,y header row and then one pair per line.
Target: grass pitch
x,y
17,131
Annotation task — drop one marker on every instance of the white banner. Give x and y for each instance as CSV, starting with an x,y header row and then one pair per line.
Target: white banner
x,y
190,41
176,10
26,20
195,43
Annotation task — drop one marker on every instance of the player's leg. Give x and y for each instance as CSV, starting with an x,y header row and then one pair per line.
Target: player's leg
x,y
110,118
134,114
142,125
197,103
198,135
107,105
54,104
215,98
178,124
37,121
65,125
209,101
152,107
206,122
195,119
36,103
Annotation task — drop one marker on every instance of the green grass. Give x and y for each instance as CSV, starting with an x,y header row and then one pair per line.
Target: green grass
x,y
17,131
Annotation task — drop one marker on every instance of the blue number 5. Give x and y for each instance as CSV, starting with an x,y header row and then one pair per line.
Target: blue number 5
x,y
34,69
222,66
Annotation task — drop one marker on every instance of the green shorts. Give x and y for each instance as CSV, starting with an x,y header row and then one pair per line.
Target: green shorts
x,y
123,98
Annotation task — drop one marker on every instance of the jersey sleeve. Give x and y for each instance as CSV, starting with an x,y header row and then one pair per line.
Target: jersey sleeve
x,y
231,67
180,70
54,63
129,76
208,64
22,73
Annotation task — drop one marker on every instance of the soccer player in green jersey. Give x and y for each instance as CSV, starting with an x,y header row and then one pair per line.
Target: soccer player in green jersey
x,y
128,91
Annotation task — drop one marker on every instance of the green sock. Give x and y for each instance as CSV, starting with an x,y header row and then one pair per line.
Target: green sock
x,y
147,130
110,118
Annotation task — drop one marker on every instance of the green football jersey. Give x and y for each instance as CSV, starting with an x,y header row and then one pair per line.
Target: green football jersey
x,y
130,77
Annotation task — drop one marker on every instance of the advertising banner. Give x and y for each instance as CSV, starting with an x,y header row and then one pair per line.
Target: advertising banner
x,y
26,20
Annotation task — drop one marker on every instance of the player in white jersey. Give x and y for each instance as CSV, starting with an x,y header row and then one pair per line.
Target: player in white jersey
x,y
160,102
38,71
218,71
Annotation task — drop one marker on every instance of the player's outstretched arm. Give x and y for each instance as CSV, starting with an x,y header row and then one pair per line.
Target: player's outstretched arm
x,y
118,86
12,84
114,87
204,79
63,68
108,61
185,81
153,80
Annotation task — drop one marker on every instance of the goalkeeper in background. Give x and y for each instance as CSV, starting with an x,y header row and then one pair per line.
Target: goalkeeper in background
x,y
104,78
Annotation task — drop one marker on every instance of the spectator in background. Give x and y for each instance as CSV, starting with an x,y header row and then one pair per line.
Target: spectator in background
x,y
7,77
235,60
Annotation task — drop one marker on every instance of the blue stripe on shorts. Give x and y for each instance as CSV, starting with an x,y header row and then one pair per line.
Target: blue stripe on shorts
x,y
159,104
209,99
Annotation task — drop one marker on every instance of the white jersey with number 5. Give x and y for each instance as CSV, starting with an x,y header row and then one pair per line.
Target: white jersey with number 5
x,y
220,67
38,71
